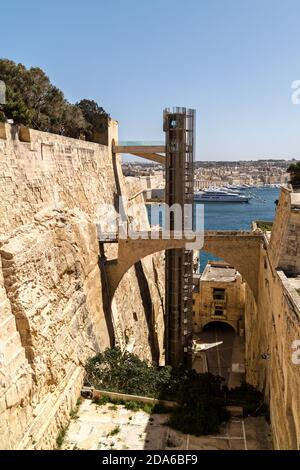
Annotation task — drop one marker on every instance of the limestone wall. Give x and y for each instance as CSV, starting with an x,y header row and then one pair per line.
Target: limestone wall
x,y
281,222
272,327
54,309
15,375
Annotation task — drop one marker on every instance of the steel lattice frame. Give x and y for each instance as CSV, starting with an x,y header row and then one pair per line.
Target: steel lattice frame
x,y
179,125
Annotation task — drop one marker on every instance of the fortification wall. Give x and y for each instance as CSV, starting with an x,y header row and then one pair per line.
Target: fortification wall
x,y
54,310
273,326
285,240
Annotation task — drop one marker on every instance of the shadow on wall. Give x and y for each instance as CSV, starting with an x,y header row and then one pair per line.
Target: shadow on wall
x,y
141,278
117,181
148,309
106,296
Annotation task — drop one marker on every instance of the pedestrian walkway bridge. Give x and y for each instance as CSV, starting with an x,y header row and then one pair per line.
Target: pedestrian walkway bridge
x,y
239,248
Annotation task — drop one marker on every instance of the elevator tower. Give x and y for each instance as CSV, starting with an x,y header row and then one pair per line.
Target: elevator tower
x,y
179,125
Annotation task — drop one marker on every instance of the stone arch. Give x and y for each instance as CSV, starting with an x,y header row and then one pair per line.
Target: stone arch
x,y
131,251
240,249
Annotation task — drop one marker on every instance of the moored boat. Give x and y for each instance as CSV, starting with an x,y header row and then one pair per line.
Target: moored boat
x,y
220,195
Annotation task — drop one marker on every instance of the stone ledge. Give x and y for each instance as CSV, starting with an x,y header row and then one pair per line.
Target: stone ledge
x,y
125,397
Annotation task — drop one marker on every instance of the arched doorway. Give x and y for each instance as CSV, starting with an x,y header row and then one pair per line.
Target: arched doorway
x,y
219,358
218,326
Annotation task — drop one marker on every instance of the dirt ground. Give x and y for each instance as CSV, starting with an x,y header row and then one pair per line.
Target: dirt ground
x,y
114,427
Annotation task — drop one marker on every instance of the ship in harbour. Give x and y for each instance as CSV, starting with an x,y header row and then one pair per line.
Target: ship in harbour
x,y
220,195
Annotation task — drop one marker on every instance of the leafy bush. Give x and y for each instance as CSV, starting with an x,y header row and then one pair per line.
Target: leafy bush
x,y
115,431
124,372
202,404
61,437
264,226
200,396
202,419
250,399
133,405
102,400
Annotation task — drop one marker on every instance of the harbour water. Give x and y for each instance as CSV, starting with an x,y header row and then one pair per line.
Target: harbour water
x,y
233,216
219,216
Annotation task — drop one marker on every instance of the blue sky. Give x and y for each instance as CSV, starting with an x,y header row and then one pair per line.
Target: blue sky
x,y
232,60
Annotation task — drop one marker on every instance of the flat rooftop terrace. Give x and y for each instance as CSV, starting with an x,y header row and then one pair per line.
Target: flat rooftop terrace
x,y
219,272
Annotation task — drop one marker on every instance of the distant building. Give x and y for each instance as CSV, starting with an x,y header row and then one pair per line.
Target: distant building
x,y
219,295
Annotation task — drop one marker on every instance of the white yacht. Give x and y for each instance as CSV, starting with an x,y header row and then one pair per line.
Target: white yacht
x,y
219,195
235,187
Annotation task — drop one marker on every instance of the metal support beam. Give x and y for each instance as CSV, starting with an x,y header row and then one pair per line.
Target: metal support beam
x,y
154,157
137,149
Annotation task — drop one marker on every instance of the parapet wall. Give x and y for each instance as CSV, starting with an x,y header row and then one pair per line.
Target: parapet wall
x,y
52,171
53,296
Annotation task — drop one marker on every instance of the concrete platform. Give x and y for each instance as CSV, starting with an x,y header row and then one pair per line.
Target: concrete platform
x,y
113,427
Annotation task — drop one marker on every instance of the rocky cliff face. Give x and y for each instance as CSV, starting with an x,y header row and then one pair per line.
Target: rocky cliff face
x,y
54,306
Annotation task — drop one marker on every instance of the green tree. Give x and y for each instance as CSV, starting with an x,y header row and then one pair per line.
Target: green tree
x,y
15,107
294,171
73,121
96,117
33,101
